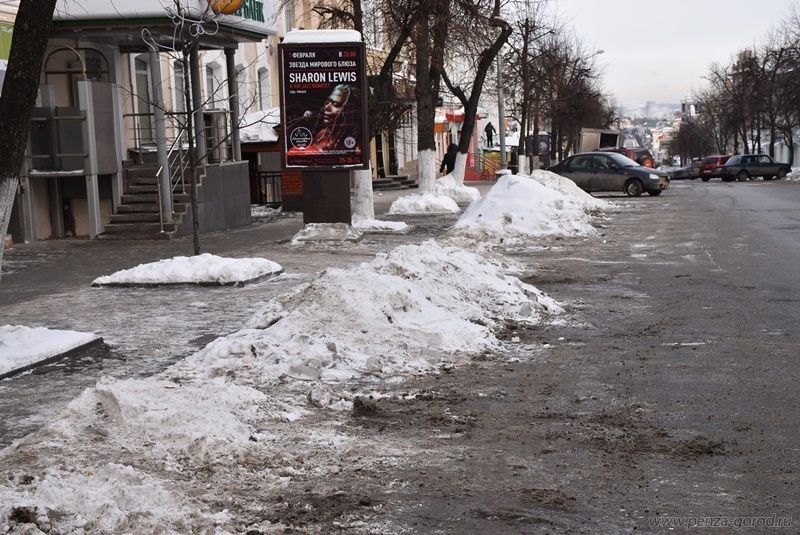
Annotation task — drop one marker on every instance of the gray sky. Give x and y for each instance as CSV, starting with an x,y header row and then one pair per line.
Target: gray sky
x,y
660,50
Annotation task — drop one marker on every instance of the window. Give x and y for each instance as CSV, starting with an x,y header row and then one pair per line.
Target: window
x,y
373,23
214,96
179,87
245,101
142,101
581,161
603,162
264,90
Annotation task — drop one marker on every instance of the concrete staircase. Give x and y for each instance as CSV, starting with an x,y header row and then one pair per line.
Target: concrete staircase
x,y
394,182
138,215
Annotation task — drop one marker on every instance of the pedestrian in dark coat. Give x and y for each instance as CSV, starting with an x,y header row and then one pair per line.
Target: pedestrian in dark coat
x,y
489,132
449,160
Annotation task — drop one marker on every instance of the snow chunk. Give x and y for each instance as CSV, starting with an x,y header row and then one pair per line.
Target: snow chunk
x,y
22,346
201,269
447,187
424,203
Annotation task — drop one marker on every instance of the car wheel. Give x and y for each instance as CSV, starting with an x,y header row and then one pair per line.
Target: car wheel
x,y
633,188
768,177
705,178
781,174
655,192
742,176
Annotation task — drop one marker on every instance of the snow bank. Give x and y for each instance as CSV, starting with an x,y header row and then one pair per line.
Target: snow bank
x,y
518,208
22,346
401,313
447,187
201,269
422,203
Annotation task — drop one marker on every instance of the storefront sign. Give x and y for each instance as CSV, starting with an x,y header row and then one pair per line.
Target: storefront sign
x,y
324,105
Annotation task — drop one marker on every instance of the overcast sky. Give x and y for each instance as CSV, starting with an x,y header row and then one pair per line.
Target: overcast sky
x,y
660,50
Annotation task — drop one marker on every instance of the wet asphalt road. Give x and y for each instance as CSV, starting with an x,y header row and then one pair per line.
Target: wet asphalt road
x,y
669,394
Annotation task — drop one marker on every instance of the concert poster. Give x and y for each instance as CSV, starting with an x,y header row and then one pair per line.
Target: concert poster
x,y
324,106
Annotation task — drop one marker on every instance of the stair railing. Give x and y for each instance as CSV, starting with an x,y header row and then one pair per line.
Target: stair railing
x,y
176,171
179,163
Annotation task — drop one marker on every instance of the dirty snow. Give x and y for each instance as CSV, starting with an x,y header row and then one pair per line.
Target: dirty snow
x,y
147,455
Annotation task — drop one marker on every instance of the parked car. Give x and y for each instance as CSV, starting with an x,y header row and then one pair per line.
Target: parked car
x,y
610,171
709,165
748,166
688,172
639,155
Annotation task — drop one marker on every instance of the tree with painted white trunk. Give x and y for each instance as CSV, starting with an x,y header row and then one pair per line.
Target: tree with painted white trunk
x,y
28,45
479,35
429,38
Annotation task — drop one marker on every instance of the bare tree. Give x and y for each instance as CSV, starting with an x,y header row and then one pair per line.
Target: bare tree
x,y
481,25
573,99
524,68
28,45
429,38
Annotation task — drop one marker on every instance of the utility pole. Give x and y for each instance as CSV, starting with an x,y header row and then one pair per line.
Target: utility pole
x,y
501,111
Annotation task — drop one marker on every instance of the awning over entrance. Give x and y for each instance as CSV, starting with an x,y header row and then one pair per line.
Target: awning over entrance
x,y
119,22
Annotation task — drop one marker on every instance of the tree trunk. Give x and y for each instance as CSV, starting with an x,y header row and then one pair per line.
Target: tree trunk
x,y
363,202
28,45
426,116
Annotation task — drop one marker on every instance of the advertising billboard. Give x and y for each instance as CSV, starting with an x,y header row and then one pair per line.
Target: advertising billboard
x,y
324,106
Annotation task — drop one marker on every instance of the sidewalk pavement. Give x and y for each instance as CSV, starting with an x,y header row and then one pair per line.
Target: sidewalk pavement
x,y
53,267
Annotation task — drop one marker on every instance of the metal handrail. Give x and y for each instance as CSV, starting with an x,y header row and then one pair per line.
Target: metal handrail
x,y
180,169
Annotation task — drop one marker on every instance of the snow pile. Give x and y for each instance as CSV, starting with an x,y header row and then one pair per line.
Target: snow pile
x,y
201,269
794,174
569,189
332,233
17,350
520,207
377,226
261,409
447,187
113,459
401,313
424,203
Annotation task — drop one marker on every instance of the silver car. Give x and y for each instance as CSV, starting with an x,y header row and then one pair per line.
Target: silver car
x,y
608,171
